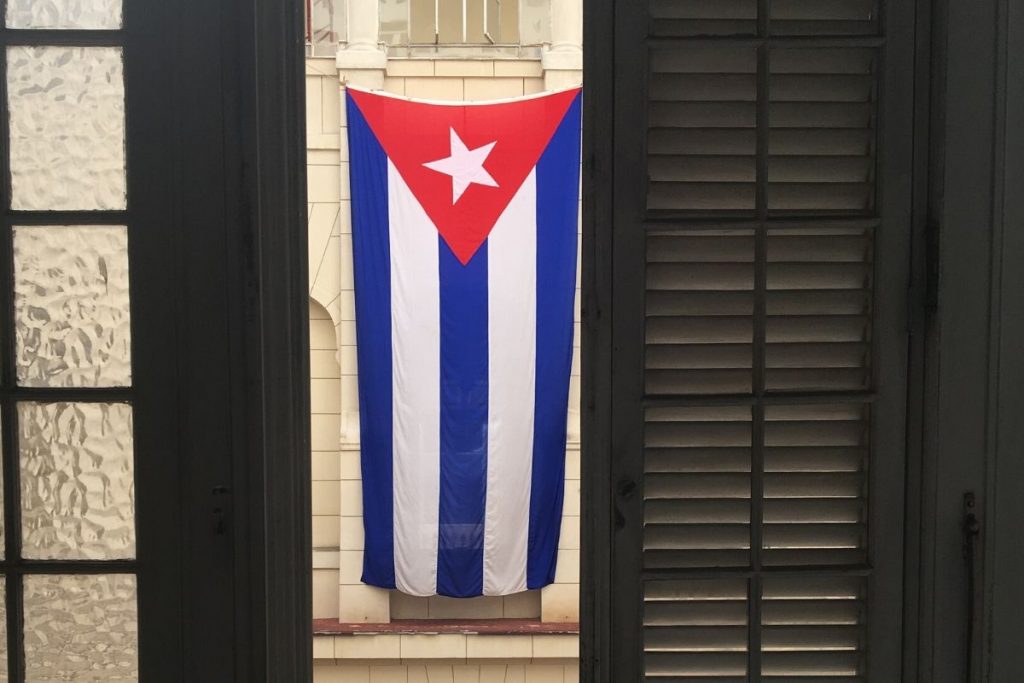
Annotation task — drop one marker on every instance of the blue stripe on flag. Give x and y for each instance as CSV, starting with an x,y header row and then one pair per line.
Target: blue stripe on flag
x,y
372,267
464,403
557,206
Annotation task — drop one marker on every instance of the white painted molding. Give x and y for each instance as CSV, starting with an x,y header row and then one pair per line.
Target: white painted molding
x,y
562,59
349,58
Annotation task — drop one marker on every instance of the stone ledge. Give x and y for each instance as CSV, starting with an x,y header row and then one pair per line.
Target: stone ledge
x,y
332,627
456,648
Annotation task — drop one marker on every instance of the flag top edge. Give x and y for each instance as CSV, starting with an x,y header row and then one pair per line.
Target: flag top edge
x,y
462,103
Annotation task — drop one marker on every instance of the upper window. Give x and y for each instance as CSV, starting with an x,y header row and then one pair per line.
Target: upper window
x,y
418,23
464,22
325,26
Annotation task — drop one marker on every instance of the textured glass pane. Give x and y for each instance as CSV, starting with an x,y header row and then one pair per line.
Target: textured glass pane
x,y
64,14
67,127
81,628
3,523
3,629
77,484
71,306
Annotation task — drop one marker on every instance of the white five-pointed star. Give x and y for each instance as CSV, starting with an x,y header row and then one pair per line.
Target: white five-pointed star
x,y
465,166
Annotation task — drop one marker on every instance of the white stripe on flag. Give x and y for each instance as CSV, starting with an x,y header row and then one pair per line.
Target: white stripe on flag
x,y
512,339
416,381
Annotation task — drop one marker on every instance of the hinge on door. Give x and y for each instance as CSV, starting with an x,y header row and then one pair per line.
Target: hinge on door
x,y
970,531
931,256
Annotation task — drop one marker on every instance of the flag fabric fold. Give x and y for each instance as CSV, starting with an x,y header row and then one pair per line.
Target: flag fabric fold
x,y
464,230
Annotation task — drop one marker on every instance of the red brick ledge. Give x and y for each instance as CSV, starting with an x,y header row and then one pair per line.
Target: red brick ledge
x,y
505,627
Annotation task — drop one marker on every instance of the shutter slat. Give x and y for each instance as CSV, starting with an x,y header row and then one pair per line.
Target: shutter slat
x,y
823,17
796,510
695,630
703,17
701,149
814,485
699,327
708,511
830,93
696,492
818,306
693,89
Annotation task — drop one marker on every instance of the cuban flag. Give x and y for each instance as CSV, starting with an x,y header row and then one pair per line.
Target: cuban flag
x,y
464,238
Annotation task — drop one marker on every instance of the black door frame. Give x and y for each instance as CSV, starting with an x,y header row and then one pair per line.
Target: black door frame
x,y
215,108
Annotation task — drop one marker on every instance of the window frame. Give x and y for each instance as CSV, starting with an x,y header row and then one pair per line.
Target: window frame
x,y
613,323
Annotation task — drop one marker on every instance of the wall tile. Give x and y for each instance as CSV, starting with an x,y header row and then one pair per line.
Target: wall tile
x,y
458,67
493,673
545,673
331,102
395,86
322,335
350,466
351,498
493,88
567,570
440,673
324,435
314,104
323,364
571,504
323,183
572,463
434,646
351,533
525,605
570,533
368,646
323,647
332,673
410,67
499,647
465,674
560,602
408,606
325,498
484,607
532,86
325,531
388,674
434,88
520,67
362,603
556,647
325,594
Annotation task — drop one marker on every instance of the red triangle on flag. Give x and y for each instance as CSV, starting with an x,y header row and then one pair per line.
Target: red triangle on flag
x,y
464,162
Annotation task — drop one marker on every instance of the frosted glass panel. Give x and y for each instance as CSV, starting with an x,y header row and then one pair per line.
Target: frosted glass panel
x,y
67,128
3,523
80,14
3,629
71,306
77,485
81,628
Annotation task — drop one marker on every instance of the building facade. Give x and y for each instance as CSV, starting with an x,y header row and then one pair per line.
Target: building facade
x,y
457,50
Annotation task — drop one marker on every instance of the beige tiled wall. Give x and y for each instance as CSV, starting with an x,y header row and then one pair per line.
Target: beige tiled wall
x,y
338,525
324,420
446,658
440,672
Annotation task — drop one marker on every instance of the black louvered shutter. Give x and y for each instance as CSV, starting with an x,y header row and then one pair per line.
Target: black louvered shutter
x,y
760,232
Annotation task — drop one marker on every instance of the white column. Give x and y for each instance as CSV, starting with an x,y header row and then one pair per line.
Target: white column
x,y
563,60
361,60
362,49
